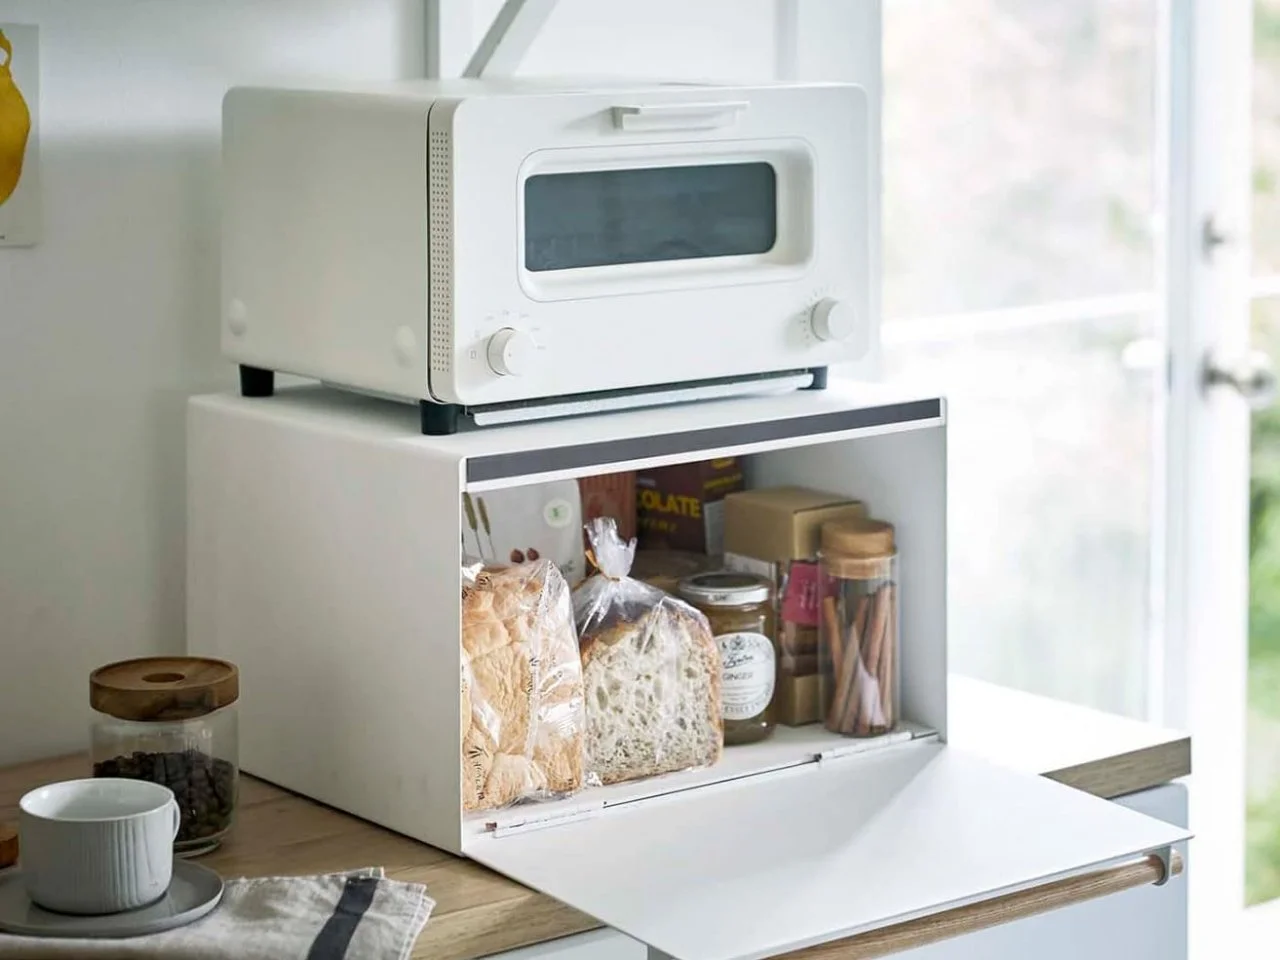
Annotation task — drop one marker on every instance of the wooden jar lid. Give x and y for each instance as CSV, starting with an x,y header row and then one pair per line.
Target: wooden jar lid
x,y
163,688
858,538
858,549
8,846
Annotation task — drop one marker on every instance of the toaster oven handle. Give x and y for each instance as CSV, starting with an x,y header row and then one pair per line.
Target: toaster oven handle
x,y
677,116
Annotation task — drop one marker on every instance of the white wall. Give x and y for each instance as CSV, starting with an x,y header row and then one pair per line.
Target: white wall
x,y
111,322
108,324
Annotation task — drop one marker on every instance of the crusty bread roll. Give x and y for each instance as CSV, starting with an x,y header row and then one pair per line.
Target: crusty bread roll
x,y
652,686
522,709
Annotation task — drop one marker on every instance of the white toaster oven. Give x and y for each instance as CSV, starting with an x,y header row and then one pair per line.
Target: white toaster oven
x,y
521,249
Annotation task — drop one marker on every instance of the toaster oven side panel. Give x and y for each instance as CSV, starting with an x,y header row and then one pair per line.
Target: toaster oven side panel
x,y
324,252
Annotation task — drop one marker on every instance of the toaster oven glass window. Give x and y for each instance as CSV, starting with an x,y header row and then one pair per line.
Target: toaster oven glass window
x,y
604,217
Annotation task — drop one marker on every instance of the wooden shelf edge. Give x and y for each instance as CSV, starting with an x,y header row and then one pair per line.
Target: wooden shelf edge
x,y
1129,772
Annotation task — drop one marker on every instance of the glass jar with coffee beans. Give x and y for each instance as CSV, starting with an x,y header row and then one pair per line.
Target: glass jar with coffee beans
x,y
172,720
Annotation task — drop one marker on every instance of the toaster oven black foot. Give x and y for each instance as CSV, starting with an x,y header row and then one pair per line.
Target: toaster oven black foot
x,y
439,419
819,379
256,382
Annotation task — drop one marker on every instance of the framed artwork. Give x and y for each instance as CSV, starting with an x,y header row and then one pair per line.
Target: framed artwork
x,y
19,135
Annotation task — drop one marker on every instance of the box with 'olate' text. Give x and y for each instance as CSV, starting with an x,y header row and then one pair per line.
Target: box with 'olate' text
x,y
681,507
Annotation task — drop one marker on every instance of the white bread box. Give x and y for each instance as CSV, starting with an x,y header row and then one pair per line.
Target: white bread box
x,y
324,553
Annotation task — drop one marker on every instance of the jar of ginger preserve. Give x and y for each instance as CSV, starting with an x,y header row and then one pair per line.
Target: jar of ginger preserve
x,y
739,607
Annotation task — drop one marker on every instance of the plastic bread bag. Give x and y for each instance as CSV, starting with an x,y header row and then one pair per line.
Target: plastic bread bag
x,y
522,710
651,670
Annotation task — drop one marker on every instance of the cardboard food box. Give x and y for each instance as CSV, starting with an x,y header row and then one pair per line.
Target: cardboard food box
x,y
681,507
611,495
774,533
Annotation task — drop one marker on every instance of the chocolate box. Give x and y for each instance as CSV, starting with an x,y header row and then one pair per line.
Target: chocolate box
x,y
681,507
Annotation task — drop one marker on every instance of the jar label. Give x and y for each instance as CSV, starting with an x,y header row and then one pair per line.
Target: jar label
x,y
800,596
746,674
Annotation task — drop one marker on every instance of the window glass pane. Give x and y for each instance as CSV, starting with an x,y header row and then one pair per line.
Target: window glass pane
x,y
1262,852
1266,137
1018,151
1050,453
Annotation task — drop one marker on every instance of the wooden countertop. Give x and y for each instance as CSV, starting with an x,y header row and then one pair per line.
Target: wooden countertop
x,y
1099,753
479,913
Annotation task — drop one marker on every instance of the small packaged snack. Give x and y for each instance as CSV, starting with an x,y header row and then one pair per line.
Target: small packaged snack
x,y
522,709
650,667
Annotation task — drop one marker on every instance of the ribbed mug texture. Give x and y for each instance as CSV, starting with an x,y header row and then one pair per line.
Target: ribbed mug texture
x,y
87,865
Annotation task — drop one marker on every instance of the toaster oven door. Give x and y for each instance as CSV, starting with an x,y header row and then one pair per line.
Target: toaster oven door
x,y
616,239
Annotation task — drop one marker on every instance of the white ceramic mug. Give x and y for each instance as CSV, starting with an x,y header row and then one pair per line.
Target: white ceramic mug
x,y
97,846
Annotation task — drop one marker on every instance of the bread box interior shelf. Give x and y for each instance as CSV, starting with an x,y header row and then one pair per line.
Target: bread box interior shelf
x,y
324,559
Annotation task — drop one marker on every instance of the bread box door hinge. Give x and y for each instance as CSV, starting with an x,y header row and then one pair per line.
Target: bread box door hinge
x,y
508,827
854,748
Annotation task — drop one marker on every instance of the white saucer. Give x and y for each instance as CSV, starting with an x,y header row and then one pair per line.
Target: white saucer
x,y
195,891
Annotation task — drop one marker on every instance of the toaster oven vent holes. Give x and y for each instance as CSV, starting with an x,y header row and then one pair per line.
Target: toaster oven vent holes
x,y
440,229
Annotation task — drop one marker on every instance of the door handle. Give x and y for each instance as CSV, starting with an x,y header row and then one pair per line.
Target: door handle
x,y
678,116
1251,375
1139,872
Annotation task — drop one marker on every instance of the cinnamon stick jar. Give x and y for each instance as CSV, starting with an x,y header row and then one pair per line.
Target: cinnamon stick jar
x,y
858,651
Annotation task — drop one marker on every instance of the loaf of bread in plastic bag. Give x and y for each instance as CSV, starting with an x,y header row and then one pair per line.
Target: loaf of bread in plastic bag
x,y
523,721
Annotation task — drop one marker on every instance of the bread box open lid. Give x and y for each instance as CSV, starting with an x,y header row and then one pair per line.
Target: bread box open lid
x,y
757,867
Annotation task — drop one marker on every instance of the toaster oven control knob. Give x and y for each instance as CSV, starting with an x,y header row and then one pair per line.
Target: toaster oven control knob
x,y
833,320
510,352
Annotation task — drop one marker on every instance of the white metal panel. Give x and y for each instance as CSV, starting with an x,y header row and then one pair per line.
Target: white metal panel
x,y
822,852
1146,923
1150,922
317,563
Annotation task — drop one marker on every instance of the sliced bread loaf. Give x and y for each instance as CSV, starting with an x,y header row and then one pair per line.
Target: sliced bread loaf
x,y
652,690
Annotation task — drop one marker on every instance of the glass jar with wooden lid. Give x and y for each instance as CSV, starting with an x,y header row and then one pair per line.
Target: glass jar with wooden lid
x,y
858,652
173,721
739,607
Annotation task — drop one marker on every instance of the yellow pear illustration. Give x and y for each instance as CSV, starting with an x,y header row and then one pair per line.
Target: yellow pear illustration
x,y
15,124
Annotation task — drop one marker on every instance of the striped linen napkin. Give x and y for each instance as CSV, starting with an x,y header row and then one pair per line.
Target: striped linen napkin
x,y
347,916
